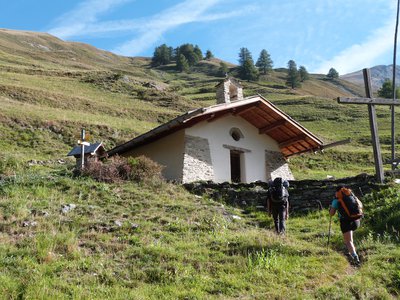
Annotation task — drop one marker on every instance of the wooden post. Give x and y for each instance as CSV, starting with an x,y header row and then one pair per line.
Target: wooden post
x,y
82,149
371,102
374,128
394,90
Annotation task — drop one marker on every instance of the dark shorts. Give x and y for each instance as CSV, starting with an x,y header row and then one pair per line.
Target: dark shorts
x,y
347,225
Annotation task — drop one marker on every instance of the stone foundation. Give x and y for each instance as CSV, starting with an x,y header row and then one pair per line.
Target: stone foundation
x,y
305,195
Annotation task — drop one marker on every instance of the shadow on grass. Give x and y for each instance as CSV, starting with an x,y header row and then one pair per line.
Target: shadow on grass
x,y
277,246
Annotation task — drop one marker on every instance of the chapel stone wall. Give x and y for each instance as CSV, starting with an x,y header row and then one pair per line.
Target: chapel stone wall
x,y
277,166
197,163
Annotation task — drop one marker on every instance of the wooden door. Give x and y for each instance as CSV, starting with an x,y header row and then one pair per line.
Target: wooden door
x,y
235,166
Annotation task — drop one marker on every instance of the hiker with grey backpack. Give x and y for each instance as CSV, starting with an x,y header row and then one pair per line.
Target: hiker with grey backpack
x,y
278,203
350,212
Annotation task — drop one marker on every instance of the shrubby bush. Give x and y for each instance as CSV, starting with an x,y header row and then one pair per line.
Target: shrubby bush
x,y
107,171
144,169
115,169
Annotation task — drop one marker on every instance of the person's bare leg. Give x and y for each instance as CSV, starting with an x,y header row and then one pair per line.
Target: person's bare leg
x,y
348,239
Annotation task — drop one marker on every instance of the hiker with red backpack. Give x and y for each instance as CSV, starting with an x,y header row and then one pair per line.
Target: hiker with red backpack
x,y
349,209
278,203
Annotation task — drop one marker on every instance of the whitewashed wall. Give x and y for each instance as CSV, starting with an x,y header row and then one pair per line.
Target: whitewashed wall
x,y
167,151
218,134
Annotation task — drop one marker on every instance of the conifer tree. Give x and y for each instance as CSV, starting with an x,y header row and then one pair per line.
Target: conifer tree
x,y
303,73
332,74
182,64
386,91
247,70
173,53
162,55
293,77
264,62
244,54
209,55
198,53
192,53
223,69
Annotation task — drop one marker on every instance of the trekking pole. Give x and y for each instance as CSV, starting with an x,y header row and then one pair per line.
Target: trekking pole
x,y
329,232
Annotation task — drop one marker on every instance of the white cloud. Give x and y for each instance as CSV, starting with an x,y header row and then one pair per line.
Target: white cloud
x,y
139,44
361,55
84,21
75,22
186,12
157,22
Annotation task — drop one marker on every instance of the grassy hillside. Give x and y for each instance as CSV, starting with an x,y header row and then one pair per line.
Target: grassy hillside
x,y
74,238
50,89
65,237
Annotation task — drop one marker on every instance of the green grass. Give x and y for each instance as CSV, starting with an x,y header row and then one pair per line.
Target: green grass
x,y
157,241
334,162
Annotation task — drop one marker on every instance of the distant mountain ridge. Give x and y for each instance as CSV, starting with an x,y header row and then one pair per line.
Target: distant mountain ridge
x,y
378,76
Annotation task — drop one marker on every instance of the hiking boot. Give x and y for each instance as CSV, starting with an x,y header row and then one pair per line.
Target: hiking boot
x,y
355,260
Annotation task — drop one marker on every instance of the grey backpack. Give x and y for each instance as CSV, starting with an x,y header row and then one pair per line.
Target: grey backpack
x,y
278,191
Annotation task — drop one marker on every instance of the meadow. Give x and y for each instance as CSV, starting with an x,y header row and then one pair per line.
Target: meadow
x,y
155,240
71,237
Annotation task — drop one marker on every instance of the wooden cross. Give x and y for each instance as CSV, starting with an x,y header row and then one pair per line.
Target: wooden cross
x,y
83,133
371,102
83,143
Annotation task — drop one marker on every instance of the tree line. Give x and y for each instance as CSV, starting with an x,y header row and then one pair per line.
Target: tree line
x,y
184,56
187,55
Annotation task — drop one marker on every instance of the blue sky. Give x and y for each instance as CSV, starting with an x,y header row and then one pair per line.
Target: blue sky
x,y
319,34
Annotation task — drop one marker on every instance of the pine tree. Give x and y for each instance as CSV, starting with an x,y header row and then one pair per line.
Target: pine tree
x,y
386,91
244,55
332,74
303,73
198,53
182,64
247,70
209,55
293,77
223,69
162,55
264,62
173,53
192,53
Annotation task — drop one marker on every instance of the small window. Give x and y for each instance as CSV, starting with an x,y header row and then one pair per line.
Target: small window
x,y
236,134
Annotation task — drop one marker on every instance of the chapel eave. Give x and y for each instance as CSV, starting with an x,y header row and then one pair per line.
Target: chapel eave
x,y
291,136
